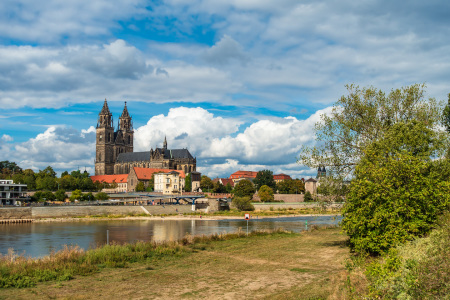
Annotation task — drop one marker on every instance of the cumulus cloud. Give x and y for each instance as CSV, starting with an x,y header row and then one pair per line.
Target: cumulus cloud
x,y
224,51
60,147
222,146
7,138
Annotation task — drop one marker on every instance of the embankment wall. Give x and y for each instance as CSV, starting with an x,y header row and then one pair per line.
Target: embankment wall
x,y
268,206
81,211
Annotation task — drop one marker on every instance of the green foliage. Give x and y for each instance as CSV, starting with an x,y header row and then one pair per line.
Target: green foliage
x,y
60,195
188,183
219,187
290,186
332,189
101,196
76,195
243,203
264,177
446,115
88,197
206,183
363,117
265,193
47,172
308,197
415,270
140,187
46,183
397,193
244,188
228,188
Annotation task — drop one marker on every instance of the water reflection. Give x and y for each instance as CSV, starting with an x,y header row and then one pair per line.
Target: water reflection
x,y
39,239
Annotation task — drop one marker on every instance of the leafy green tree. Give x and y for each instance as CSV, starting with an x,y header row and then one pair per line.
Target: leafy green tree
x,y
228,188
362,117
87,184
290,186
101,196
46,183
47,196
76,195
244,188
140,187
332,189
206,183
65,173
265,193
264,177
47,172
188,183
219,187
446,115
60,195
308,197
397,193
29,179
243,203
88,197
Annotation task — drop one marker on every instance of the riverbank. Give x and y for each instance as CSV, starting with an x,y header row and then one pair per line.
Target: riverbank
x,y
210,217
301,266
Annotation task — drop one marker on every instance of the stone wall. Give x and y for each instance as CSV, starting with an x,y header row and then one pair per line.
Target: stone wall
x,y
287,198
15,213
81,211
263,206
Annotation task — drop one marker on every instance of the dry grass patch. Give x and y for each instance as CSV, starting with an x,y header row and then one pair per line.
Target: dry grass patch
x,y
279,266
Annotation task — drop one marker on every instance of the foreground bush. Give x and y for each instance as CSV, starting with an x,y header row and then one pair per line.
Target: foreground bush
x,y
417,270
243,203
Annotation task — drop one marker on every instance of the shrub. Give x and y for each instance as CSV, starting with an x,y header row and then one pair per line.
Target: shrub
x,y
243,203
265,193
308,197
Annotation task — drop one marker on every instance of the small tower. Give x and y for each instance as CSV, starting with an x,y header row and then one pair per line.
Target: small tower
x,y
321,172
104,150
165,143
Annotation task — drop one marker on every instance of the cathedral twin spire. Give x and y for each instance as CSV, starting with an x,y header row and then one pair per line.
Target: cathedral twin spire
x,y
105,118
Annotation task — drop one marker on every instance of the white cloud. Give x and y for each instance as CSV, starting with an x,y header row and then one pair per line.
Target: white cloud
x,y
7,138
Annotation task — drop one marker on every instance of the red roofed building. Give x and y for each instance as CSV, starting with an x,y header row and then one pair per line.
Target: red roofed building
x,y
240,175
120,179
281,177
224,181
144,175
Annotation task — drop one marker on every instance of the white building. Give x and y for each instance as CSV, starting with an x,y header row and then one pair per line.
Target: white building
x,y
11,193
168,183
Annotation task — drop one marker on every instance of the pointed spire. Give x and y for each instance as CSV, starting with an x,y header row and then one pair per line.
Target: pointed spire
x,y
165,142
105,109
125,113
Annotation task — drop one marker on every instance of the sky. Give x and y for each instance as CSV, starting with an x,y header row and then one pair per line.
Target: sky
x,y
240,83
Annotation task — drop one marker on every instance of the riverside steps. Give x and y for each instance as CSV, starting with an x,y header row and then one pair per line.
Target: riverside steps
x,y
15,221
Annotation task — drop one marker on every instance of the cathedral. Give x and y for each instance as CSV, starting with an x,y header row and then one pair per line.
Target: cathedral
x,y
114,149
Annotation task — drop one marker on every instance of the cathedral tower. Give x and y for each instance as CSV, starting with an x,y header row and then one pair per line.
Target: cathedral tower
x,y
124,136
104,150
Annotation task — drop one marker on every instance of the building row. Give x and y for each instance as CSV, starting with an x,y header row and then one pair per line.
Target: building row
x,y
165,181
12,193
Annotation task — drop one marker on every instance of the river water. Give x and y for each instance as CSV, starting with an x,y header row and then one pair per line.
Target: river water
x,y
39,239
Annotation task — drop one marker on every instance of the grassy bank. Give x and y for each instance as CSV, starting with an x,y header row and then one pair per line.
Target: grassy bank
x,y
270,265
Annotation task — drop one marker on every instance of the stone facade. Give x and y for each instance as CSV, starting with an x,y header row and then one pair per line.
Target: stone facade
x,y
114,149
168,183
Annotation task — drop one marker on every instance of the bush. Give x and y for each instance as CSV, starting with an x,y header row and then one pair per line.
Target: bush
x,y
265,193
243,203
244,188
308,197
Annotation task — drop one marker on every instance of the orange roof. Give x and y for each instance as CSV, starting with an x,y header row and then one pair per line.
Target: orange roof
x,y
281,176
146,173
119,178
244,174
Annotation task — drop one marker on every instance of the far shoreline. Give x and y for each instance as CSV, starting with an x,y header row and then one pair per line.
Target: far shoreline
x,y
173,218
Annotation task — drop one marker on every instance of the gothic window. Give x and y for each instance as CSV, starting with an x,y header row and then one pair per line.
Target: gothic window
x,y
108,137
100,137
129,139
99,157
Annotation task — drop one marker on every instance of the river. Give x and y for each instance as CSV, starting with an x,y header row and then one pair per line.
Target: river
x,y
40,239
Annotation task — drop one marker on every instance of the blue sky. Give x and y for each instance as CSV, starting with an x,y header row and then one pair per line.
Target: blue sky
x,y
239,83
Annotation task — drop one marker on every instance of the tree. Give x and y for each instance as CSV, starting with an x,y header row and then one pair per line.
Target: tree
x,y
264,177
88,197
101,196
206,183
290,186
219,187
243,203
228,187
140,187
265,193
398,191
188,183
76,195
332,189
47,172
446,115
308,197
60,195
244,188
46,183
29,179
362,117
